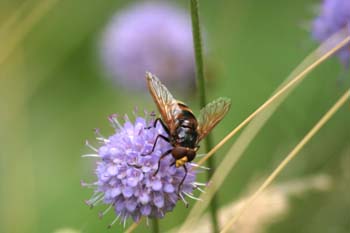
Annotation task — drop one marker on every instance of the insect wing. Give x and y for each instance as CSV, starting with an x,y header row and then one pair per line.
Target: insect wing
x,y
211,115
166,103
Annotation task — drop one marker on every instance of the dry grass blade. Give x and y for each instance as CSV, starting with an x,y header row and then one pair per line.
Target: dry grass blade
x,y
133,226
325,50
288,158
24,27
272,205
13,18
281,91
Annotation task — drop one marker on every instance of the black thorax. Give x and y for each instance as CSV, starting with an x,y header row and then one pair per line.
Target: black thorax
x,y
186,130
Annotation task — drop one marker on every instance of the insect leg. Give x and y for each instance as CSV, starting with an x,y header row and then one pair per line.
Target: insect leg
x,y
164,126
154,123
162,123
155,143
183,180
161,157
134,165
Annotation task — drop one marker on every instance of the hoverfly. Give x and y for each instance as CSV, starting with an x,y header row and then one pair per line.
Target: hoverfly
x,y
183,129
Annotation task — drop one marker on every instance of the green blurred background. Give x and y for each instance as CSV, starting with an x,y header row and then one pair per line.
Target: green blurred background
x,y
53,93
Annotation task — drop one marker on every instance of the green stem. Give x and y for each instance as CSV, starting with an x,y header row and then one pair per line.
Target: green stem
x,y
197,41
155,225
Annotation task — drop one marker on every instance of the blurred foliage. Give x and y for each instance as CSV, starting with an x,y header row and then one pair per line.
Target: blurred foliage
x,y
53,93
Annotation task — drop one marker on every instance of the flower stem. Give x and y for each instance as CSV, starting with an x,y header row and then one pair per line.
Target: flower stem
x,y
197,41
155,225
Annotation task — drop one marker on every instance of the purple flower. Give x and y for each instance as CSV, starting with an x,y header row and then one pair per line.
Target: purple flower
x,y
334,15
126,179
153,37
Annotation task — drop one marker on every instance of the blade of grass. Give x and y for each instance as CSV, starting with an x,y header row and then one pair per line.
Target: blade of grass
x,y
197,42
289,157
325,50
283,89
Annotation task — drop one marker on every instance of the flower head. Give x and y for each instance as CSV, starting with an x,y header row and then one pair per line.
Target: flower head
x,y
152,36
334,15
126,172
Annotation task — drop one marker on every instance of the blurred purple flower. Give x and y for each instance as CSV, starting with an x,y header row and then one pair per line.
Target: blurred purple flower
x,y
126,179
334,15
154,37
